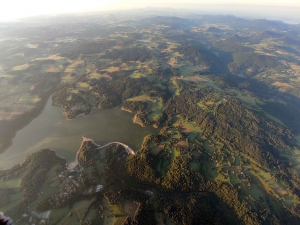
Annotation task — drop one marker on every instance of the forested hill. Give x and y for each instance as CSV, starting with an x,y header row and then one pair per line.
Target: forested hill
x,y
222,92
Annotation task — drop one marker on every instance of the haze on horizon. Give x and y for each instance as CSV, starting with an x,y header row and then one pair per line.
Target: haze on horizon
x,y
285,10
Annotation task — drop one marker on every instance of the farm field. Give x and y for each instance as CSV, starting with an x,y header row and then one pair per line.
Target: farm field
x,y
183,119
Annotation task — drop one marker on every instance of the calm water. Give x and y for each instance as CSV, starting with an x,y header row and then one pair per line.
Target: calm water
x,y
51,130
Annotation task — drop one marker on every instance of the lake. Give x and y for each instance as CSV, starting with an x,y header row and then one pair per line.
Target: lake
x,y
51,130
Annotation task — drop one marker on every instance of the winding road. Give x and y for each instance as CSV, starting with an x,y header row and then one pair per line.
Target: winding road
x,y
127,148
77,161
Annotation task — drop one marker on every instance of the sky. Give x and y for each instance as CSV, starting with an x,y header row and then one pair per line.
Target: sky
x,y
14,9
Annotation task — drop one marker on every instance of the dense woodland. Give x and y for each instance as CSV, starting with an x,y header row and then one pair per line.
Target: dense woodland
x,y
223,92
237,127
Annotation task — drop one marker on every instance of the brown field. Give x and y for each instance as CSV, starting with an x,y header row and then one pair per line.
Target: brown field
x,y
9,116
283,87
249,70
238,168
97,76
282,192
52,69
187,127
106,76
172,62
295,67
156,150
182,144
282,52
282,84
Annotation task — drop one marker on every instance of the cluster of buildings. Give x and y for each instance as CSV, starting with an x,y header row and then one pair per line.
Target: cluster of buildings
x,y
99,187
40,215
38,218
62,196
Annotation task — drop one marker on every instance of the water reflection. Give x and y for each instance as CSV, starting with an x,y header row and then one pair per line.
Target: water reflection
x,y
51,130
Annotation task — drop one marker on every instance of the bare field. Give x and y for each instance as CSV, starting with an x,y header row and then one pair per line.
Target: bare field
x,y
21,67
282,84
156,150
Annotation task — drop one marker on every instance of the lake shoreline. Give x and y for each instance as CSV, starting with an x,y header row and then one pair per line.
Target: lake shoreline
x,y
17,124
51,130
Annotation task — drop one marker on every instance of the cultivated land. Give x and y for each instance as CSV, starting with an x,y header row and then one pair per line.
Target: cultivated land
x,y
223,92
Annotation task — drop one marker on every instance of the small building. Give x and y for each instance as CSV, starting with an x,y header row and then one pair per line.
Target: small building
x,y
149,193
99,187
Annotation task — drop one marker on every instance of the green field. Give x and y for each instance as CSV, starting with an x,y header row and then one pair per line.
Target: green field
x,y
157,108
215,101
